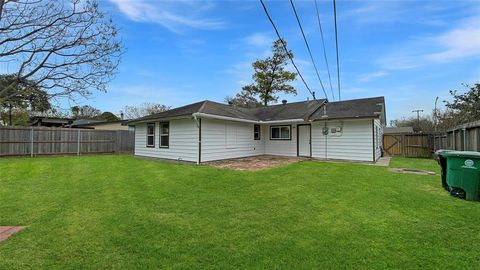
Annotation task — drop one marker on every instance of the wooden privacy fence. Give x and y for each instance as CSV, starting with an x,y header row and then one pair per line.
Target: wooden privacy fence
x,y
406,145
20,141
465,137
413,145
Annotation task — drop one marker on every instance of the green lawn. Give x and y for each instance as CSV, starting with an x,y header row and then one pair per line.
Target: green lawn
x,y
118,212
415,163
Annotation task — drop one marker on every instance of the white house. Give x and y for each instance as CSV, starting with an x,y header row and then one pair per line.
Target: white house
x,y
207,131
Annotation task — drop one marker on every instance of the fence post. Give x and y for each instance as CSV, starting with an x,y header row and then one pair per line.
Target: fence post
x,y
117,141
31,142
78,142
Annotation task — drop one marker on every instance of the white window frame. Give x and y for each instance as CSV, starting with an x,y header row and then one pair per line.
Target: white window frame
x,y
160,135
280,132
150,134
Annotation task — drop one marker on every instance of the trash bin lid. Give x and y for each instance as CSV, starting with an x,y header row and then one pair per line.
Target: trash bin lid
x,y
441,151
465,154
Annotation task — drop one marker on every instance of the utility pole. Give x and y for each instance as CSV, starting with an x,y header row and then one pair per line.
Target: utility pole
x,y
435,119
418,117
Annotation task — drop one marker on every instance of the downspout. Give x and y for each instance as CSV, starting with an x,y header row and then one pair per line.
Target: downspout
x,y
326,143
198,121
465,148
326,128
374,152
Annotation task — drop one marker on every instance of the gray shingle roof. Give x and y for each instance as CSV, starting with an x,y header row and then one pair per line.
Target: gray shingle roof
x,y
355,108
296,110
215,108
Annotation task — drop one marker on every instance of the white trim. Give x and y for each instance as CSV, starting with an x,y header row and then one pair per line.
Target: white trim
x,y
213,116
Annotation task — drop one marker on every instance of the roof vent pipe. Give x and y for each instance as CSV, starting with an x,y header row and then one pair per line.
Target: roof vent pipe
x,y
284,101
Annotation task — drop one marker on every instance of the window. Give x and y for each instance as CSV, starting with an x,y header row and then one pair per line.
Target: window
x,y
151,135
256,132
280,132
164,135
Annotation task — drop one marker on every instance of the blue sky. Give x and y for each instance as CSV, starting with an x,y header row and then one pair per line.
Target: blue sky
x,y
180,52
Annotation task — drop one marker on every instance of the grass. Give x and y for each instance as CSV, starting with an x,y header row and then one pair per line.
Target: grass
x,y
415,163
118,212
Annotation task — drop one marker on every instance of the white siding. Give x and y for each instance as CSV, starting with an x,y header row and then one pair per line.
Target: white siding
x,y
281,147
229,139
183,141
354,143
379,140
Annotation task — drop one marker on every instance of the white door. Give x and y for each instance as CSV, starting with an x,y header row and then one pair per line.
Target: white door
x,y
303,140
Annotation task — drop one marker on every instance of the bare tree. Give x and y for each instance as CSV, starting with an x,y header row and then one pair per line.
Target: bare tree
x,y
133,111
65,47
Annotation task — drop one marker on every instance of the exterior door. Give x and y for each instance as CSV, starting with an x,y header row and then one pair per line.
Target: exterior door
x,y
303,140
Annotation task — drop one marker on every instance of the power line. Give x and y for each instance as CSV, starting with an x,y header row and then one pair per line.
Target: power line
x,y
308,47
285,48
336,46
324,50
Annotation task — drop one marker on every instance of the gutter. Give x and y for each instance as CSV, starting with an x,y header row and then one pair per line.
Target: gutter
x,y
344,118
213,116
139,121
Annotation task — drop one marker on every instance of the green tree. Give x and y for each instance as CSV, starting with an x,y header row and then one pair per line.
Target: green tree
x,y
108,116
270,77
24,97
466,106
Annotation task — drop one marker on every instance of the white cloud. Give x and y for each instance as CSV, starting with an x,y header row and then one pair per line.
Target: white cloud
x,y
431,13
169,14
374,75
259,40
458,43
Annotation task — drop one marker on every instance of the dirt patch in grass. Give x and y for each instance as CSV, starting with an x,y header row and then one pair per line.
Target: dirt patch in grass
x,y
411,171
255,163
8,231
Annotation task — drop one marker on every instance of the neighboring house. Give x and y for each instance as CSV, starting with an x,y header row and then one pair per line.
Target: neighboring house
x,y
43,121
100,124
398,130
208,131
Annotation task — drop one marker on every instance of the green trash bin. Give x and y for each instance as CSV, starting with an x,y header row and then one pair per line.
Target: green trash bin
x,y
442,161
463,173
